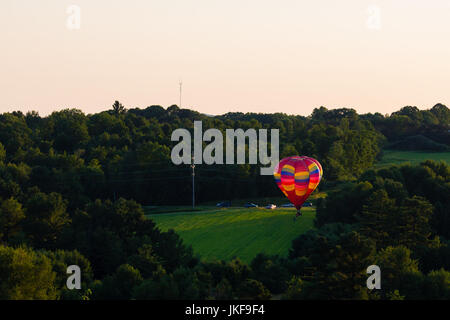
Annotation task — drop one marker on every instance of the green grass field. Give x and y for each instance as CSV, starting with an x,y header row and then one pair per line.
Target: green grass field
x,y
236,232
391,157
224,233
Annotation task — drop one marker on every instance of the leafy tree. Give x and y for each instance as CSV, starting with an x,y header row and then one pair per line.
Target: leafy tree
x,y
165,288
252,289
394,295
2,153
224,290
295,289
69,129
399,271
341,268
344,204
45,218
437,285
60,260
413,222
433,257
377,217
187,283
173,252
25,275
14,134
147,262
118,108
271,272
120,285
11,214
306,244
106,251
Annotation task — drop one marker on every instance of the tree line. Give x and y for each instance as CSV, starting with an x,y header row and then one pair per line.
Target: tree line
x,y
72,186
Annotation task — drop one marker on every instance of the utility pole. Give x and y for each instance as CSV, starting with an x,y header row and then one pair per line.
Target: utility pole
x,y
181,87
193,184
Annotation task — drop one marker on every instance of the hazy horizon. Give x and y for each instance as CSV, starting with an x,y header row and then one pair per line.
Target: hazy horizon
x,y
208,114
232,56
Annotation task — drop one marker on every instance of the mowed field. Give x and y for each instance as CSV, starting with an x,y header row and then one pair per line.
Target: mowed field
x,y
391,157
224,233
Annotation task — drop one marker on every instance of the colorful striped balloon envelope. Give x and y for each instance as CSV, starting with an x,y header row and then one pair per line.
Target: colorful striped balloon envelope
x,y
297,177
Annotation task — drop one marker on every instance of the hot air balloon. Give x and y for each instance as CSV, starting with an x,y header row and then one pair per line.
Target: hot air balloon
x,y
297,177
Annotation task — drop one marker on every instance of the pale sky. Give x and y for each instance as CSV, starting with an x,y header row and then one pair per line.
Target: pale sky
x,y
231,55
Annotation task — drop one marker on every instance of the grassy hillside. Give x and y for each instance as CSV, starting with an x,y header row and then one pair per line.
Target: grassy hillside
x,y
224,233
391,157
237,232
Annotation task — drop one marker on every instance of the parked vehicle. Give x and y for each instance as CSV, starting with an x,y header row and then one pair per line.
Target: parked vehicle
x,y
307,204
287,205
250,205
224,204
271,206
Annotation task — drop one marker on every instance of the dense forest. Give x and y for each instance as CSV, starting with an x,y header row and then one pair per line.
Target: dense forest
x,y
72,187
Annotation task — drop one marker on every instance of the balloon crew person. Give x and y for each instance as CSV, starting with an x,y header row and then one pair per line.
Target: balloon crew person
x,y
298,214
297,177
